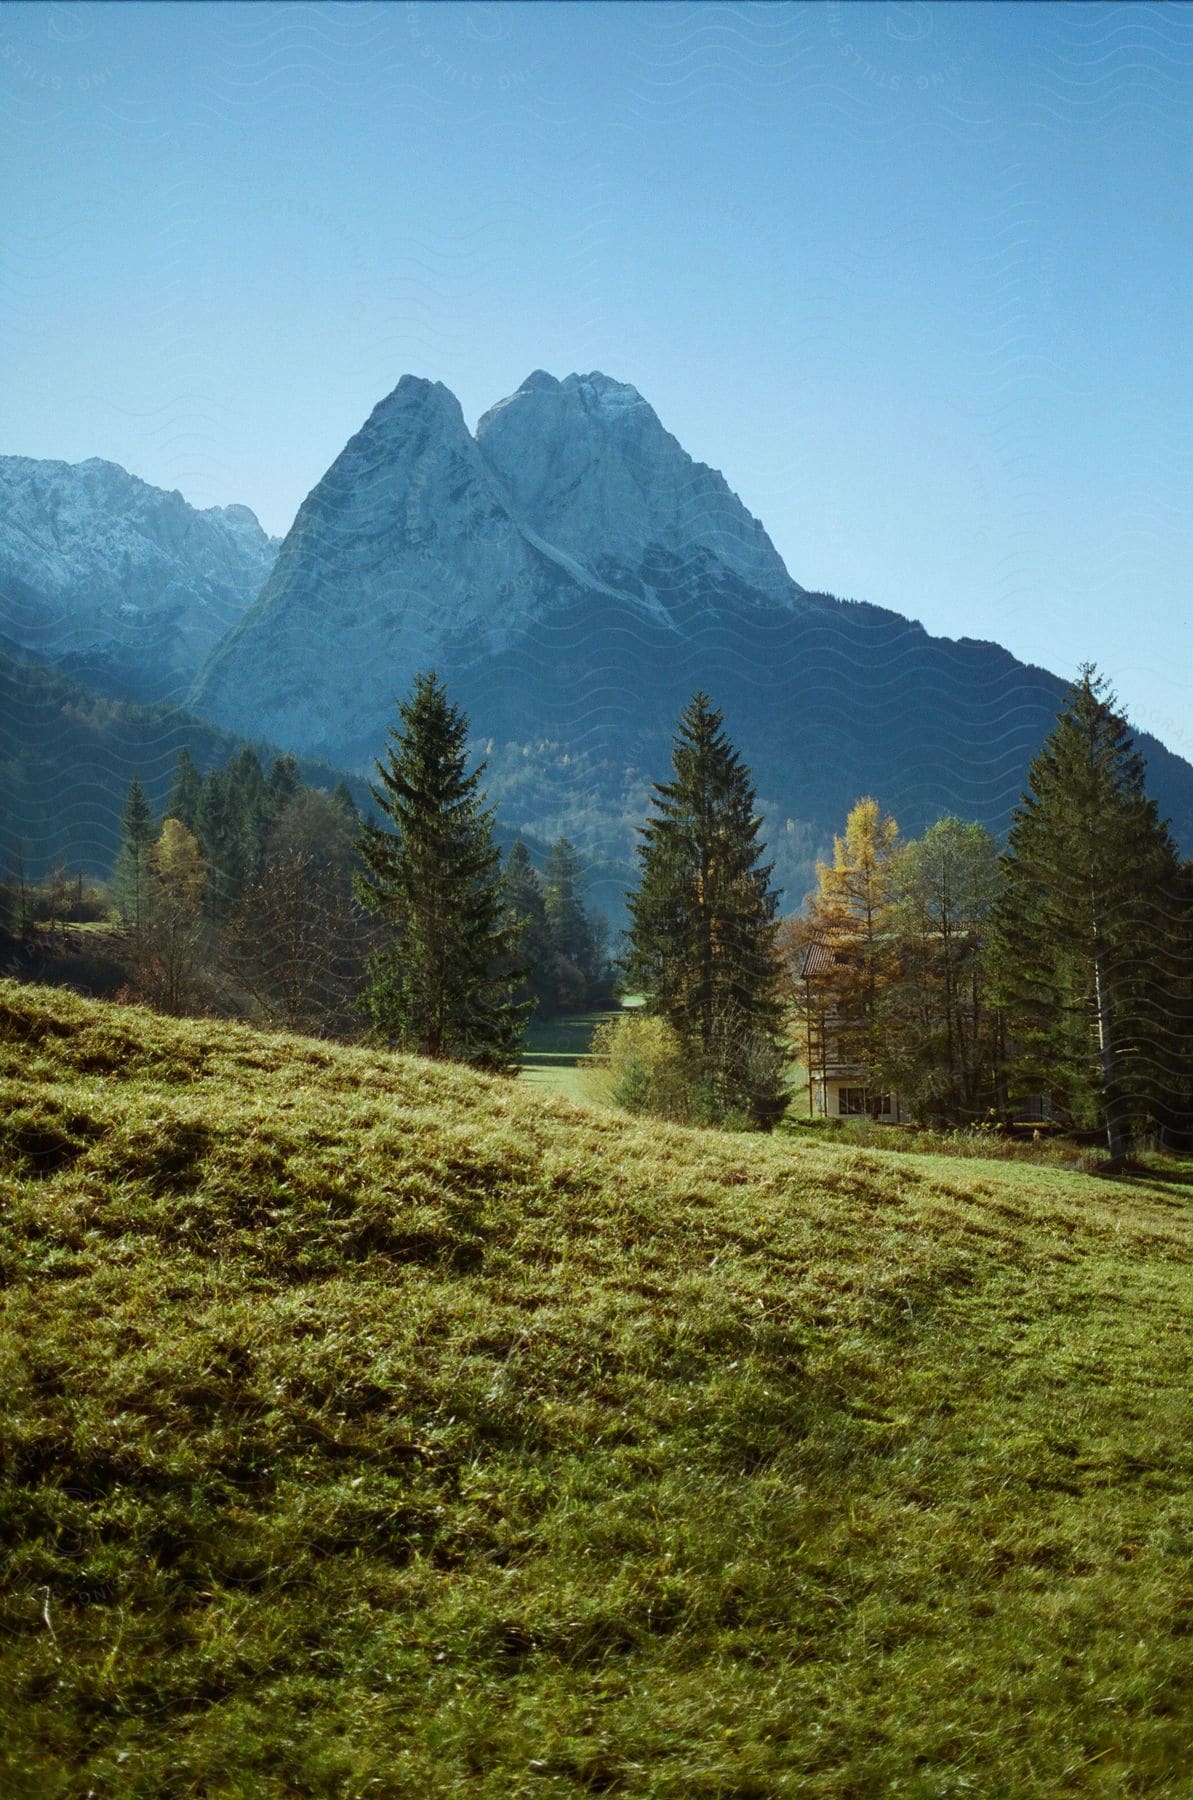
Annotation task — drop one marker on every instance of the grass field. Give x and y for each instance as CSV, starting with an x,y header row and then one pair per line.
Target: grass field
x,y
554,1053
373,1428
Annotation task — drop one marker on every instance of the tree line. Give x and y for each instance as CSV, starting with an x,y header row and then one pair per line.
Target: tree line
x,y
252,895
1055,972
967,977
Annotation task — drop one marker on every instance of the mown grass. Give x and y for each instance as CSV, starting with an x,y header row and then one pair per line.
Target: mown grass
x,y
372,1428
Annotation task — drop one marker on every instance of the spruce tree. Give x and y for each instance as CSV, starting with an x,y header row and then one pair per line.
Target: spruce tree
x,y
442,985
703,934
525,903
284,782
1084,919
186,790
572,934
131,877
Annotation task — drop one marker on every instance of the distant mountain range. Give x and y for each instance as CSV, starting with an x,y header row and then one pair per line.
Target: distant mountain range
x,y
126,586
574,575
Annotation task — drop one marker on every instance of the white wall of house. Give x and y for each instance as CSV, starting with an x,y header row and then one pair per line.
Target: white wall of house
x,y
844,1099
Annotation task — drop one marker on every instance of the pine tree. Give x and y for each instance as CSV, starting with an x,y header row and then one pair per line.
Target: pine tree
x,y
186,790
573,935
342,797
293,942
442,987
1091,884
137,835
703,932
284,782
525,903
253,815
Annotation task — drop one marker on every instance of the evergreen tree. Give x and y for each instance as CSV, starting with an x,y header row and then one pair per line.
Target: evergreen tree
x,y
1084,922
703,932
253,815
525,903
137,835
342,797
442,986
292,945
563,884
284,782
186,790
215,830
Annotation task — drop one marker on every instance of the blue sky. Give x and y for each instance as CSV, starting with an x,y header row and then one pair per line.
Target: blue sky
x,y
916,277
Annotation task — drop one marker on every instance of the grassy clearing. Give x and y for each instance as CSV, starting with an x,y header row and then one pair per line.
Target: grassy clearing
x,y
554,1057
372,1428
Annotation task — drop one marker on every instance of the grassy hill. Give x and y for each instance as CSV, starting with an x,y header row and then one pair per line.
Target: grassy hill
x,y
372,1428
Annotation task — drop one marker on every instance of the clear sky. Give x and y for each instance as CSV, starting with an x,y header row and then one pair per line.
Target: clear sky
x,y
916,277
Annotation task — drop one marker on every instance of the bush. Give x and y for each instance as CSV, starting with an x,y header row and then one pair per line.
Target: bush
x,y
645,1066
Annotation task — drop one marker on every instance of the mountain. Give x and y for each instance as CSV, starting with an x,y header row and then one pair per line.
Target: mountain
x,y
121,583
575,575
587,465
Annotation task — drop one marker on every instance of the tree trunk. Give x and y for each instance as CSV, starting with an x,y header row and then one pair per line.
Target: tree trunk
x,y
1115,1136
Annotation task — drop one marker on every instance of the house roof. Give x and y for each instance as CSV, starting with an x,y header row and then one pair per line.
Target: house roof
x,y
824,959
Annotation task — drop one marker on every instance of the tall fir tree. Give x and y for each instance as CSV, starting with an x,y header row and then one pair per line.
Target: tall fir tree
x,y
443,984
186,790
284,782
574,935
137,833
525,902
703,932
1084,926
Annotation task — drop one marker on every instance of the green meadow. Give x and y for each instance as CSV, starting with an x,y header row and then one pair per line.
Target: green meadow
x,y
374,1428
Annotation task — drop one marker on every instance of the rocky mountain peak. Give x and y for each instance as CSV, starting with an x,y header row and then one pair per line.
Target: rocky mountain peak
x,y
586,463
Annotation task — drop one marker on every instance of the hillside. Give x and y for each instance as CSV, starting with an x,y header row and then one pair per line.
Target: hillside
x,y
67,755
373,1427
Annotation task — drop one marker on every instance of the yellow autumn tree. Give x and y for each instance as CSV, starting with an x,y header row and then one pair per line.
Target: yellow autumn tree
x,y
843,946
854,890
173,944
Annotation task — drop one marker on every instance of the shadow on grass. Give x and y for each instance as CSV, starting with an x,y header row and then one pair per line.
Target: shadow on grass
x,y
1129,1170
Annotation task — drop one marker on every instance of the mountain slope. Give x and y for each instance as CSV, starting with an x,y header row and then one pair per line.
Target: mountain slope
x,y
574,576
371,1426
68,754
124,584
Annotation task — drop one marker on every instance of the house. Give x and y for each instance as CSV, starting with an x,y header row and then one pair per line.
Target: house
x,y
835,1019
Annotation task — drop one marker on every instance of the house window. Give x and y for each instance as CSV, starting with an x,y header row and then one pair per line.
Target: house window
x,y
851,1102
881,1105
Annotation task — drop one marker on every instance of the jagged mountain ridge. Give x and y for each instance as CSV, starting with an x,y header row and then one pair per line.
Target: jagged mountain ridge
x,y
574,575
430,545
122,583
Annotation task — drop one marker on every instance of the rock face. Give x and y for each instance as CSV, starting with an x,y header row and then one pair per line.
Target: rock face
x,y
574,576
404,555
123,583
586,464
